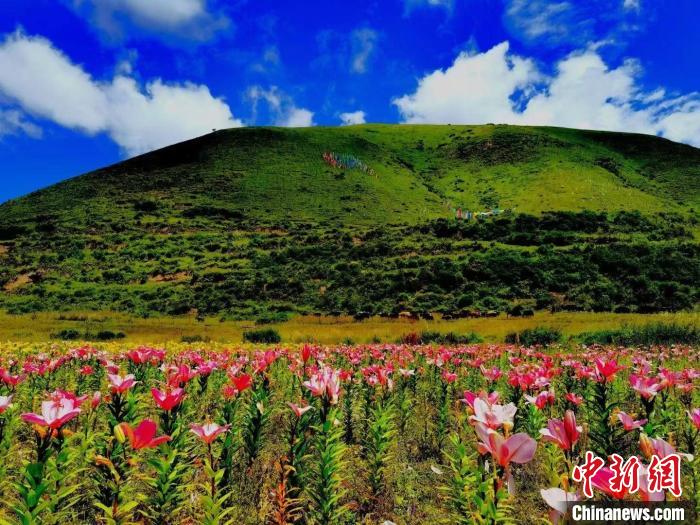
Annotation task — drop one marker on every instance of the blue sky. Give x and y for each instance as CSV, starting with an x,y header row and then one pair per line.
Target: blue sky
x,y
86,83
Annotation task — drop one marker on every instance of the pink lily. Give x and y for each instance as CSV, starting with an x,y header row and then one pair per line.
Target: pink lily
x,y
564,433
299,411
628,423
493,416
518,448
209,431
5,403
119,384
54,413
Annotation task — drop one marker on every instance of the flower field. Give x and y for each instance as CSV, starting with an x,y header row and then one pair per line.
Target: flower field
x,y
348,434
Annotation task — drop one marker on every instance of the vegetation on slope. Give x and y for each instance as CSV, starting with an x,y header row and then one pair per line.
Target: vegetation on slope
x,y
252,222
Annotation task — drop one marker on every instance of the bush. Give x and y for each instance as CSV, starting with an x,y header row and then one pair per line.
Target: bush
x,y
69,334
540,335
271,318
195,339
450,338
646,335
268,335
106,335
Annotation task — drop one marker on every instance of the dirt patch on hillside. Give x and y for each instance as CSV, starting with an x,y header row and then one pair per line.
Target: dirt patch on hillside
x,y
18,282
4,250
169,278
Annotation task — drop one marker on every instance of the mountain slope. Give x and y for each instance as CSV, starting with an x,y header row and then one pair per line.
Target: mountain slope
x,y
422,172
250,221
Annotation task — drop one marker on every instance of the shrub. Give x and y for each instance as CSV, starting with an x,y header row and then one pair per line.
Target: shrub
x,y
107,335
449,338
649,334
271,318
540,335
195,339
68,334
267,335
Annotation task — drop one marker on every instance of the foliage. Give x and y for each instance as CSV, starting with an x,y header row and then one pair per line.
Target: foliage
x,y
267,335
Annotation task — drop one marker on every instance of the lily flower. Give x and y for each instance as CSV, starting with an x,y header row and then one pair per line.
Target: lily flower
x,y
169,399
541,400
242,382
119,384
694,416
606,368
647,387
144,435
574,398
518,448
299,411
209,432
558,501
628,423
564,433
325,382
55,413
493,416
5,403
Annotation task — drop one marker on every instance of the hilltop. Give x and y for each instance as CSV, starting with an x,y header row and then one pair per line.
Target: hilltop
x,y
272,174
254,222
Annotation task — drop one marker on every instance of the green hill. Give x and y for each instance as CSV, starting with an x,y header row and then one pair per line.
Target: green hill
x,y
253,221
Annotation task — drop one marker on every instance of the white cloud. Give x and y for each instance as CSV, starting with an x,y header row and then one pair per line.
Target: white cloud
x,y
363,41
476,88
47,84
14,122
411,5
555,23
190,19
281,107
634,5
583,92
297,118
353,117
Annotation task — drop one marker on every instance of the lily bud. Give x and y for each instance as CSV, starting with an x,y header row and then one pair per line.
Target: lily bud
x,y
572,431
646,446
565,482
101,460
119,433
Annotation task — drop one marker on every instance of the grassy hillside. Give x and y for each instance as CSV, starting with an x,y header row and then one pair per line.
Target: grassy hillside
x,y
253,222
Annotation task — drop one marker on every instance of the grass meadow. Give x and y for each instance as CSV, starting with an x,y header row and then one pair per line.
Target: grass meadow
x,y
39,327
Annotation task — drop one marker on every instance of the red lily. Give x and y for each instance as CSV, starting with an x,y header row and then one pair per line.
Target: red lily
x,y
242,382
144,435
606,369
169,399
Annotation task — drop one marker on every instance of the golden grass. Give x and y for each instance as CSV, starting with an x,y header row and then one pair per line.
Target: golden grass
x,y
326,330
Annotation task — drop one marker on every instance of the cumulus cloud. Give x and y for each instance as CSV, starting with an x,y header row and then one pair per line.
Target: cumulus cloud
x,y
363,41
352,117
582,92
14,122
47,84
191,19
476,88
280,106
